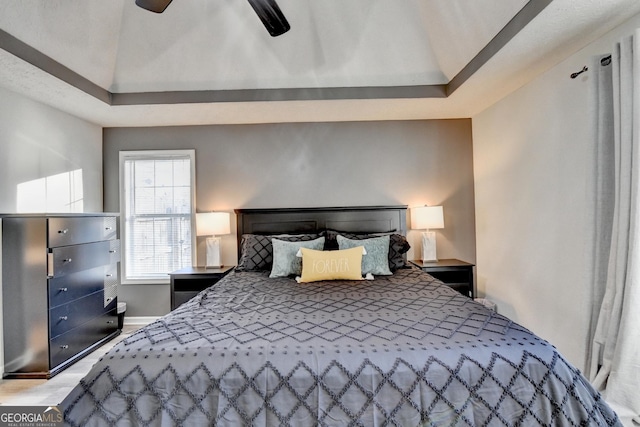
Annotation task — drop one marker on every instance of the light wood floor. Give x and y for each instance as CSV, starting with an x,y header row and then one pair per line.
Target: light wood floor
x,y
52,392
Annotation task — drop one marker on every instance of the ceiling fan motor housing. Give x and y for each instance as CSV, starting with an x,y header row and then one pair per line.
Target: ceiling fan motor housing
x,y
267,10
157,6
271,16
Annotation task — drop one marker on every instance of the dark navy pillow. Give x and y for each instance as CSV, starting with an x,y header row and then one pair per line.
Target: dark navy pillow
x,y
257,250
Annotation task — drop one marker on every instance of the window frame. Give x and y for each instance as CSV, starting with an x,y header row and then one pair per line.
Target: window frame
x,y
153,155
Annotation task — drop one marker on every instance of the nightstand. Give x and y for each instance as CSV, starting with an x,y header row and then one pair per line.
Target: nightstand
x,y
452,272
186,283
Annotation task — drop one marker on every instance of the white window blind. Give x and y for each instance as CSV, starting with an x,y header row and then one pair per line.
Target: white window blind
x,y
157,209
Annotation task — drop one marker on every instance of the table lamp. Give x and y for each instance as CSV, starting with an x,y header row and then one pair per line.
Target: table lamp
x,y
213,224
428,218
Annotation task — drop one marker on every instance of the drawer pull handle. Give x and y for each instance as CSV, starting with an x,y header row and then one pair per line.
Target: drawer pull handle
x,y
108,228
63,317
64,289
64,347
65,231
109,275
110,322
113,251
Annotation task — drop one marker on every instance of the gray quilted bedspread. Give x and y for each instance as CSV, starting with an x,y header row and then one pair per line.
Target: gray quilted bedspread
x,y
400,350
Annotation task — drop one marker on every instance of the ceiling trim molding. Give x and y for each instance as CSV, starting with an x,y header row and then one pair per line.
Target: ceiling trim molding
x,y
47,64
289,94
513,27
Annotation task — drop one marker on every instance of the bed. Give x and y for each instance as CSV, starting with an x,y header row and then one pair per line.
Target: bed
x,y
401,349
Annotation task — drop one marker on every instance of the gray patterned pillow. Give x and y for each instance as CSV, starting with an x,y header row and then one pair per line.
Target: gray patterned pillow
x,y
376,261
257,250
398,245
285,261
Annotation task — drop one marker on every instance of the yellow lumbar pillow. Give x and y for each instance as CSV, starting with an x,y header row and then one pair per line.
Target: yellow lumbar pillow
x,y
344,264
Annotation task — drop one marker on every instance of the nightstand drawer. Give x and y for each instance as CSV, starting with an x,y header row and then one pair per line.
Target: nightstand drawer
x,y
463,288
451,277
188,282
194,284
180,298
452,272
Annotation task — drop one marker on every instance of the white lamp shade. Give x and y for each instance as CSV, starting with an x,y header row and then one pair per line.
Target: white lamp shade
x,y
427,218
212,223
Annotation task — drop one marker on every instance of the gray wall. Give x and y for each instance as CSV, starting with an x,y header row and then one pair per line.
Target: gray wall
x,y
37,141
534,162
313,164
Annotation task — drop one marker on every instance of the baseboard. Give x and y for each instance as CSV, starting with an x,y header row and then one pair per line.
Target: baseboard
x,y
140,320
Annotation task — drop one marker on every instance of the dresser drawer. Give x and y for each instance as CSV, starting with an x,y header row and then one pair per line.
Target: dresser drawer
x,y
110,294
114,251
72,259
65,346
68,316
76,230
111,282
63,290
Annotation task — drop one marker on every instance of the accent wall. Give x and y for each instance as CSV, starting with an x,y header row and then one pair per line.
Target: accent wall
x,y
313,164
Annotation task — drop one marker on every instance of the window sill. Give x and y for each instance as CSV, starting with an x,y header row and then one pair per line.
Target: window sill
x,y
150,281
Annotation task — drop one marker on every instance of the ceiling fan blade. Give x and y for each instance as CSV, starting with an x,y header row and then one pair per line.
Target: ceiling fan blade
x,y
157,6
271,16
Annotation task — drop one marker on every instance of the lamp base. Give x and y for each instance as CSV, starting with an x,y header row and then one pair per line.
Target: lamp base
x,y
429,246
213,253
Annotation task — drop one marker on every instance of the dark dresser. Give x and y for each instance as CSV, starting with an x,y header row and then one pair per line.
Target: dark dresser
x,y
59,289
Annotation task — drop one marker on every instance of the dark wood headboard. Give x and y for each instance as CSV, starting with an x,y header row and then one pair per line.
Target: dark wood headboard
x,y
377,219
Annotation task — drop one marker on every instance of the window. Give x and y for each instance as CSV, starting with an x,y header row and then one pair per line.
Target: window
x,y
156,202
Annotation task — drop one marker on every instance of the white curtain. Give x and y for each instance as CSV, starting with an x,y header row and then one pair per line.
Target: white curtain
x,y
615,352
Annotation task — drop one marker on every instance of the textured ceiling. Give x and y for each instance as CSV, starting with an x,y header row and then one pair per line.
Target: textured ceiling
x,y
220,45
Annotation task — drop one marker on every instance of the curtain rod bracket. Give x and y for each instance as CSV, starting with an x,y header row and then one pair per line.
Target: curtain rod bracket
x,y
603,61
577,73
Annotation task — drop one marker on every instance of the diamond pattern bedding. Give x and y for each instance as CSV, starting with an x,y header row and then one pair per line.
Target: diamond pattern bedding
x,y
401,350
